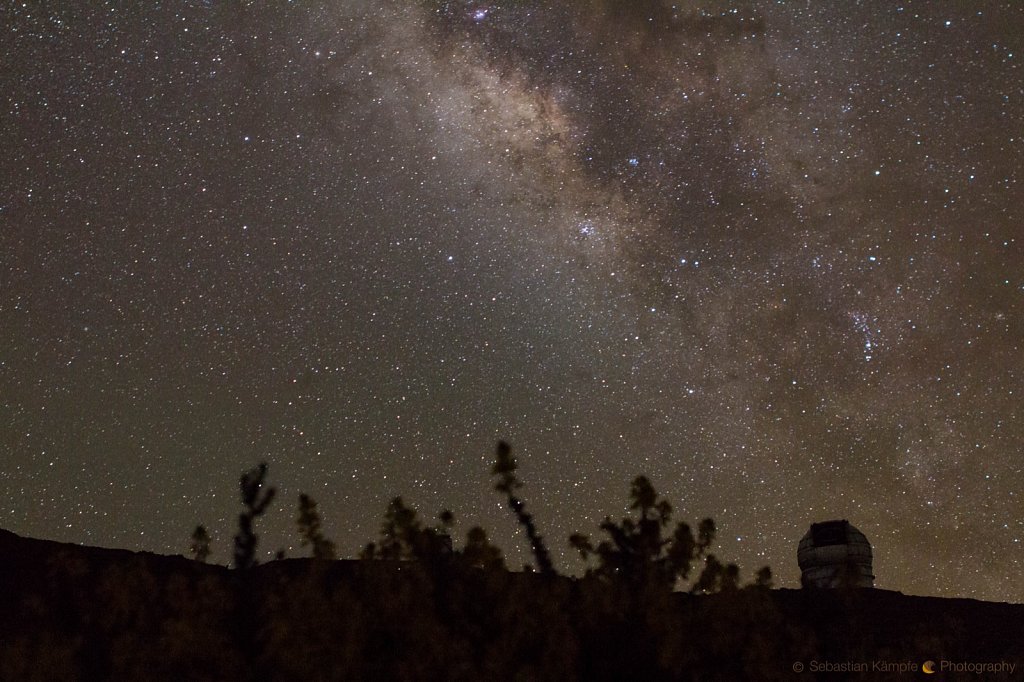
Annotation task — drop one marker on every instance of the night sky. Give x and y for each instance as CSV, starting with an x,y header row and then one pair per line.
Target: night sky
x,y
765,253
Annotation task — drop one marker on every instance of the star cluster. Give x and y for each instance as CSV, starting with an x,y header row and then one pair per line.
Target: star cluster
x,y
765,253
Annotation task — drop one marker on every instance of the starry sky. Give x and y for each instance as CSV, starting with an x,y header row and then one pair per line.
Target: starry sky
x,y
764,252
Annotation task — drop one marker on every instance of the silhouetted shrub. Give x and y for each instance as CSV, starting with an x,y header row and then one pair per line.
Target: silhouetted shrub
x,y
310,531
478,552
199,545
505,468
639,552
256,499
403,536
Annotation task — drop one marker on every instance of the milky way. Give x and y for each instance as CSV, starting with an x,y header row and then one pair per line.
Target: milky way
x,y
764,252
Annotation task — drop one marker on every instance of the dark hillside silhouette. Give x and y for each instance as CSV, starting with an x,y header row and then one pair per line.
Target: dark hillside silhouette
x,y
416,607
69,612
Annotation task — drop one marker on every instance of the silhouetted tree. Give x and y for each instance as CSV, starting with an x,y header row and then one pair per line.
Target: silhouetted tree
x,y
505,468
256,499
200,544
403,536
310,531
717,577
478,552
637,550
763,578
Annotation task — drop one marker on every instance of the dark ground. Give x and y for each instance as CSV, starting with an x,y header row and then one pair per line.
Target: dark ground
x,y
70,612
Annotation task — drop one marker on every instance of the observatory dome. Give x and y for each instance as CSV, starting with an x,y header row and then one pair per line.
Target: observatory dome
x,y
835,554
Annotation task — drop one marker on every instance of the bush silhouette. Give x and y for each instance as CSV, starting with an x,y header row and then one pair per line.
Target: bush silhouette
x,y
199,546
478,552
310,530
404,537
639,551
763,578
256,499
505,468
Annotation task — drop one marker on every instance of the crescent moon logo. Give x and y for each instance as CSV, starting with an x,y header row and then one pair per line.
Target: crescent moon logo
x,y
928,667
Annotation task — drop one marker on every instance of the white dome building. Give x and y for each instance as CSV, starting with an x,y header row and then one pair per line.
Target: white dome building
x,y
835,554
